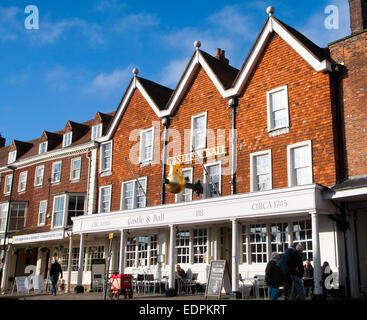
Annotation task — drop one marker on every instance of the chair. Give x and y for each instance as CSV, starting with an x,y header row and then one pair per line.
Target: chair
x,y
139,283
192,283
260,284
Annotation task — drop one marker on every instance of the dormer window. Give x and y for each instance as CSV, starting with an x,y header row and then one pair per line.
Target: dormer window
x,y
97,131
12,157
43,147
67,139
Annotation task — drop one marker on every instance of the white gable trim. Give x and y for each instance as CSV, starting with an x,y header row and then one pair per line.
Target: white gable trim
x,y
272,25
135,84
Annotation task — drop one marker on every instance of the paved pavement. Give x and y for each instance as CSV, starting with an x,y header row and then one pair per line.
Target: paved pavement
x,y
95,296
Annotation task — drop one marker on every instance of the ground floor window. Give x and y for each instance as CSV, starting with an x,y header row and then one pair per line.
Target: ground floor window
x,y
302,233
141,251
200,238
279,237
183,247
258,243
74,259
95,252
257,238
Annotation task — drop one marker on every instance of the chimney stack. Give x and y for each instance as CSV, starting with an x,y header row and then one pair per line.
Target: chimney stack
x,y
2,141
221,55
358,15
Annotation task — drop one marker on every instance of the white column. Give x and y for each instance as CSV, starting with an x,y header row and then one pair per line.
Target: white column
x,y
316,253
4,281
81,259
235,277
172,245
70,262
39,262
122,252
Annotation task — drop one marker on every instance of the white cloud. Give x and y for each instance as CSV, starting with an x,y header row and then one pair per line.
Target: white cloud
x,y
173,71
106,83
136,21
9,24
50,31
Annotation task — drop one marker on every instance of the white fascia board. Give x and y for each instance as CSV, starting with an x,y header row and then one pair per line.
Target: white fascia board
x,y
301,49
183,85
212,76
251,63
120,111
148,98
355,192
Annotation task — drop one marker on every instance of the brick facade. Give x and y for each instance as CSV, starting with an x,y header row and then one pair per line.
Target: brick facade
x,y
351,52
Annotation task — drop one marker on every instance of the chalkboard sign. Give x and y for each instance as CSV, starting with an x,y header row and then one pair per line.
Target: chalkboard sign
x,y
218,273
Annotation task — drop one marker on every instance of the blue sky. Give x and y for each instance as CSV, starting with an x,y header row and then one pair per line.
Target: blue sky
x,y
80,59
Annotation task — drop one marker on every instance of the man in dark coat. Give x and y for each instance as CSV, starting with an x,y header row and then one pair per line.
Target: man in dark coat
x,y
284,262
274,276
308,277
55,271
296,272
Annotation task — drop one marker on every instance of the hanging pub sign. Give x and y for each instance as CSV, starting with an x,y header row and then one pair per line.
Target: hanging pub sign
x,y
202,154
218,277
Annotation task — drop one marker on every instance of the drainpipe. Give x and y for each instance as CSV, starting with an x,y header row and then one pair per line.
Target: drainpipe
x,y
6,226
233,104
165,123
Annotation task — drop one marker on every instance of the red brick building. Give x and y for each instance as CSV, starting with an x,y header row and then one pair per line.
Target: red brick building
x,y
276,146
266,138
46,183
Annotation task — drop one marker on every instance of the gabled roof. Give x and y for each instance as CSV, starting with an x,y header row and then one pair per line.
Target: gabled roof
x,y
75,126
158,93
155,94
222,74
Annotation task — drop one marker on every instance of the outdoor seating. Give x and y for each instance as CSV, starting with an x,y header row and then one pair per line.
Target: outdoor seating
x,y
260,284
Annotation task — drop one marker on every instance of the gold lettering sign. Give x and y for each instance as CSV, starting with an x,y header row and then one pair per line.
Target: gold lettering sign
x,y
204,153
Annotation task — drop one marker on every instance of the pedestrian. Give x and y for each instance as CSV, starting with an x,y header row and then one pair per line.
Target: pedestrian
x,y
284,262
180,276
308,276
55,272
296,272
274,276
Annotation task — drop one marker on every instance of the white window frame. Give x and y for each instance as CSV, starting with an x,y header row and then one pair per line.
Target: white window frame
x,y
101,168
63,214
7,183
220,173
72,169
40,149
180,196
100,198
3,215
96,129
205,114
269,108
22,174
12,156
39,213
253,184
53,171
141,148
178,247
35,175
290,160
135,186
67,139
